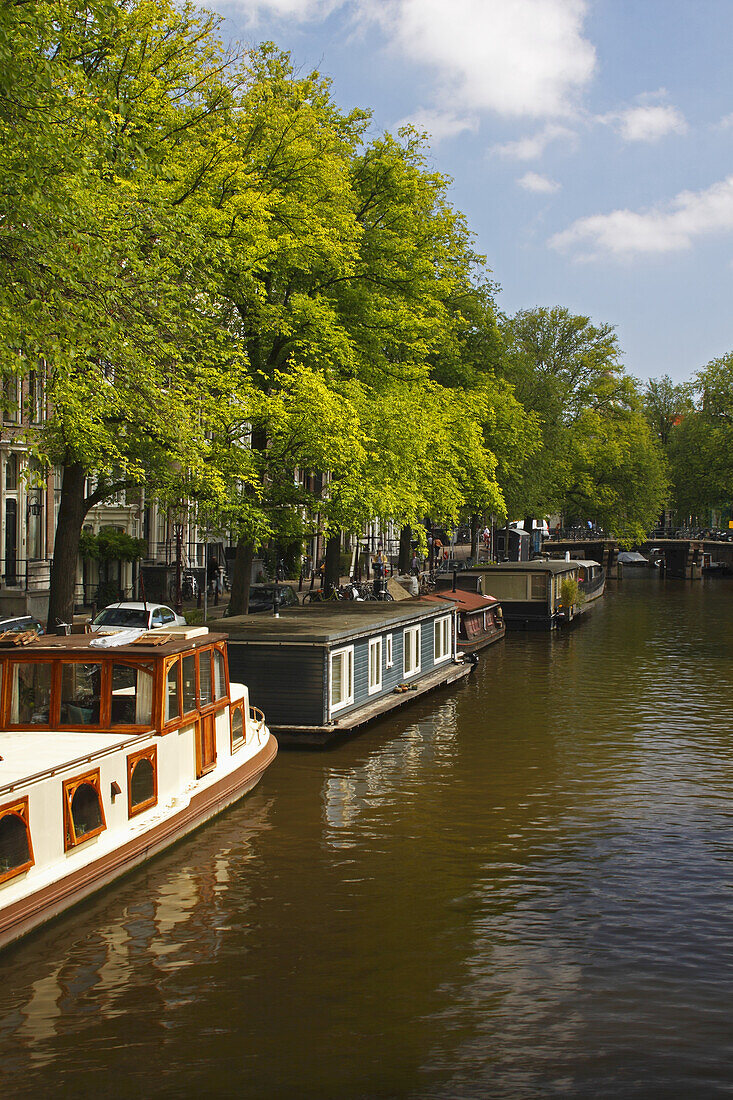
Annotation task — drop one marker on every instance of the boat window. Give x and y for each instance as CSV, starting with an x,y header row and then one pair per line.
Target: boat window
x,y
142,780
132,695
16,852
389,659
172,684
189,683
441,639
375,665
342,678
205,685
80,694
220,684
238,726
539,586
411,651
31,693
84,816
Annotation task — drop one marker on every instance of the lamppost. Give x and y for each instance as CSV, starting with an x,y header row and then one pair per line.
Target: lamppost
x,y
178,518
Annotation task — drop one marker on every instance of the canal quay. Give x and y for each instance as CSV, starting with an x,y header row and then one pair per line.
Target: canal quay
x,y
520,886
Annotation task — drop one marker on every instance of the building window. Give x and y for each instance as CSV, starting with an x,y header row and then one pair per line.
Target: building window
x,y
11,472
342,678
83,810
441,637
142,780
389,659
375,665
239,727
411,651
539,586
16,850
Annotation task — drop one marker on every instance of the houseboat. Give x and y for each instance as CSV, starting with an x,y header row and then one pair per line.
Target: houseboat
x,y
534,595
591,579
327,669
112,748
480,618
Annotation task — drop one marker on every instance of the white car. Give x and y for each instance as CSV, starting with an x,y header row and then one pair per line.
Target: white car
x,y
131,614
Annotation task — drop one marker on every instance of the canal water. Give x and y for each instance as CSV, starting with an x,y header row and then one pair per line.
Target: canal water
x,y
518,888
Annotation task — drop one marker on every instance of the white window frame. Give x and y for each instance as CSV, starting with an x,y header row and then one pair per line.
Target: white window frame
x,y
347,678
389,652
442,633
376,647
418,646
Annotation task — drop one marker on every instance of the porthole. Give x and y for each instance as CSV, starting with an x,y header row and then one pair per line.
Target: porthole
x,y
83,810
142,780
16,850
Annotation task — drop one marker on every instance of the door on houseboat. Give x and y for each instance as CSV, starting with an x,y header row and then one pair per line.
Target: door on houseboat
x,y
205,744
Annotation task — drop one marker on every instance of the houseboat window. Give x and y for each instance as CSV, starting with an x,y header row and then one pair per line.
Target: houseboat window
x,y
132,695
411,651
84,816
80,694
375,665
189,683
172,680
220,686
389,659
539,586
142,780
342,678
16,853
441,639
238,727
205,685
31,693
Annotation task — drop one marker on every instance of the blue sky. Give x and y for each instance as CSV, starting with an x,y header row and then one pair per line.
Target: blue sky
x,y
589,143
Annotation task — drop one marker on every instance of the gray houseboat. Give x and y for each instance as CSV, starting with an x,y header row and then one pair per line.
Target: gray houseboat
x,y
326,669
531,592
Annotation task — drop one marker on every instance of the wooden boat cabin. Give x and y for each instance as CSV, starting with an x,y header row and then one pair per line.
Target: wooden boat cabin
x,y
324,670
111,748
591,579
534,595
480,618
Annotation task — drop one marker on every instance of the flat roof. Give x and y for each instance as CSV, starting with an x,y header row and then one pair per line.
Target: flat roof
x,y
327,622
179,640
536,566
466,601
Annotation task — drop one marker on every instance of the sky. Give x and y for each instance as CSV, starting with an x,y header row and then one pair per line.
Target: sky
x,y
589,143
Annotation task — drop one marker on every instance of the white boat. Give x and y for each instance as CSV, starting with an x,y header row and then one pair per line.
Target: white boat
x,y
111,749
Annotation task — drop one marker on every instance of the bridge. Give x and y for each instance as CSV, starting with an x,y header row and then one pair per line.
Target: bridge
x,y
680,557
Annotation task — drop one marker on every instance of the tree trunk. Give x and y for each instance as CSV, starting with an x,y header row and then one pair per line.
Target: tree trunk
x,y
72,510
475,531
241,578
331,574
404,560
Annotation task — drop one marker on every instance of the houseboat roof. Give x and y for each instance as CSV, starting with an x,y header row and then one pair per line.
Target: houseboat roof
x,y
29,755
153,643
465,601
536,566
327,622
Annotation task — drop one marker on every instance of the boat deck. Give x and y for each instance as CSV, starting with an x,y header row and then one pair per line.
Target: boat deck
x,y
30,755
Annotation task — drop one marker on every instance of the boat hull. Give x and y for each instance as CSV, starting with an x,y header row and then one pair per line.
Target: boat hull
x,y
48,901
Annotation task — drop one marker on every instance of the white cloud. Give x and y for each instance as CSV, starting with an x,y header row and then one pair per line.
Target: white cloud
x,y
532,147
516,58
726,122
672,227
540,185
440,124
646,122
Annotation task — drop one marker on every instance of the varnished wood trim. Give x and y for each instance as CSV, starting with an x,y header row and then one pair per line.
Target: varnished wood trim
x,y
18,809
69,788
151,754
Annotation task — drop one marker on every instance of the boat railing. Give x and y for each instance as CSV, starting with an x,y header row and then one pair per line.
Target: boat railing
x,y
257,719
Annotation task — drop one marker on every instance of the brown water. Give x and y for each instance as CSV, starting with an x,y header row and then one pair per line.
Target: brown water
x,y
519,888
